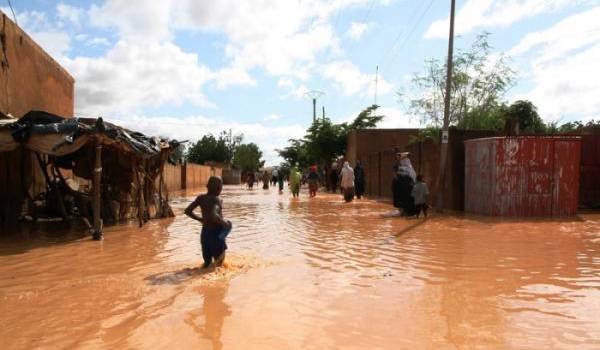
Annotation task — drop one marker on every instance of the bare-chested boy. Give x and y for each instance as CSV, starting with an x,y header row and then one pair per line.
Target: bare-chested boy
x,y
214,227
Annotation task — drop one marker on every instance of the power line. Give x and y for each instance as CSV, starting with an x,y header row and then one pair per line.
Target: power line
x,y
13,12
411,32
414,27
400,33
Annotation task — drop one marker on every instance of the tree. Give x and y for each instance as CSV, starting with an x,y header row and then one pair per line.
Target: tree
x,y
365,119
325,140
295,153
526,114
247,157
479,83
211,148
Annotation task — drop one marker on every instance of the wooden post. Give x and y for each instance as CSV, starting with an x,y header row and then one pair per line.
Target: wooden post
x,y
96,203
441,180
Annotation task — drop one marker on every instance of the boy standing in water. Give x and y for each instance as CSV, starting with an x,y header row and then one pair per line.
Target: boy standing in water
x,y
214,227
420,193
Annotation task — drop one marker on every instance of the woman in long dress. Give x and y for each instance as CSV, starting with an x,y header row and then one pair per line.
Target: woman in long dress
x,y
347,183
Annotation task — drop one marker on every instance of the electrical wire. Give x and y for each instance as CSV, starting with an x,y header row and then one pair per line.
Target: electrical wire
x,y
410,33
13,12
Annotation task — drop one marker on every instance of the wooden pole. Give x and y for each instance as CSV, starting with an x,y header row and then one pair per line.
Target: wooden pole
x,y
445,135
97,228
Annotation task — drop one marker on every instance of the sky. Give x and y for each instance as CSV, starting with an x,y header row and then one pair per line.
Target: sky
x,y
185,68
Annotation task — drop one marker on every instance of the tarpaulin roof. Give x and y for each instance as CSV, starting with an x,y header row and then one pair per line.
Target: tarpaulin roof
x,y
54,135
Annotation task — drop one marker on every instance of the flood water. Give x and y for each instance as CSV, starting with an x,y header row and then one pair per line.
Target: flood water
x,y
308,274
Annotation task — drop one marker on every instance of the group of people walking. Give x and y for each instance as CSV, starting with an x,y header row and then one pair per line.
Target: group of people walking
x,y
408,189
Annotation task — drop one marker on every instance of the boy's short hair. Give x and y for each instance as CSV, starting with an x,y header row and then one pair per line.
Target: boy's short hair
x,y
214,182
419,177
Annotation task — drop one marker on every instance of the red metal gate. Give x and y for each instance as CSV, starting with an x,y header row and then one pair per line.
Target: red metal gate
x,y
522,176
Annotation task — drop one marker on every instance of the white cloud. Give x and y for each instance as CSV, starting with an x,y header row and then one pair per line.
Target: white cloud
x,y
272,117
69,13
135,20
396,118
283,37
285,83
192,128
132,76
564,67
348,77
98,41
357,29
233,76
478,14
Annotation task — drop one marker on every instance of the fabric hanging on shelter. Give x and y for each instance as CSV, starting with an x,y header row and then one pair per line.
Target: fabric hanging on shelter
x,y
53,135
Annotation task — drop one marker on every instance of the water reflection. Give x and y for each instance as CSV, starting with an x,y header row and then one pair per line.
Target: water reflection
x,y
208,320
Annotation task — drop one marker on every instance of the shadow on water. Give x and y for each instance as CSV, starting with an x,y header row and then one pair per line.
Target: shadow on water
x,y
410,227
180,276
28,236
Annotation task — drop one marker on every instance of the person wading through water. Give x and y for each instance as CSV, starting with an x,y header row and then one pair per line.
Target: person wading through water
x,y
266,179
214,228
313,181
347,183
359,179
295,178
402,185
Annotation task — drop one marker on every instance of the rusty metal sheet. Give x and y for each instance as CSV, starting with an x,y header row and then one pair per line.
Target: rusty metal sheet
x,y
566,177
522,176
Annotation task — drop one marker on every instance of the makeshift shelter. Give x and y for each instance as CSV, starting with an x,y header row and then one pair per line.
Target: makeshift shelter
x,y
124,167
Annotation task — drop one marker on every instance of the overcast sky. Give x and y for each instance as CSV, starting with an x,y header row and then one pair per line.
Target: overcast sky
x,y
183,68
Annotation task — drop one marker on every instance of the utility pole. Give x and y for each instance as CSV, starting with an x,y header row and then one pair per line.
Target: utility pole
x,y
376,81
314,94
323,113
441,180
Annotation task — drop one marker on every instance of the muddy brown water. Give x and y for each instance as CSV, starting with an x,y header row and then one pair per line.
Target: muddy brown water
x,y
308,274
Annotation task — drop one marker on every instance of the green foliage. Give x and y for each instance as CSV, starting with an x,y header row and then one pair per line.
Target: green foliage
x,y
526,114
365,119
325,140
492,118
428,133
247,157
572,127
295,153
478,85
217,149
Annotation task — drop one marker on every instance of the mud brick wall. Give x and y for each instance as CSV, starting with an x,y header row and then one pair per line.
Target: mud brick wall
x,y
30,79
190,176
376,149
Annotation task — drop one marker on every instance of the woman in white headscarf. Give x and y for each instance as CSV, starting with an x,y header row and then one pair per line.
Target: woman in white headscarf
x,y
347,182
405,162
402,184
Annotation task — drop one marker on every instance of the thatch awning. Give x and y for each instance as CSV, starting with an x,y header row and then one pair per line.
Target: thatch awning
x,y
53,135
